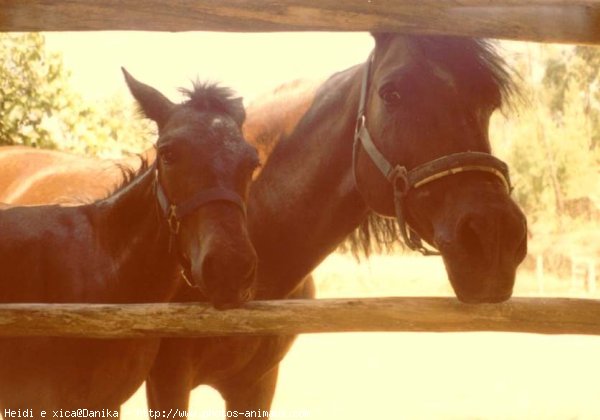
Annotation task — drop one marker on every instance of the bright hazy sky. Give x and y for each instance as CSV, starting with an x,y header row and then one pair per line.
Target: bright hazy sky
x,y
250,63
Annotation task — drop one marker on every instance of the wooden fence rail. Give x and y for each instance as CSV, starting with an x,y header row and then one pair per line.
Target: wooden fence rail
x,y
531,315
576,21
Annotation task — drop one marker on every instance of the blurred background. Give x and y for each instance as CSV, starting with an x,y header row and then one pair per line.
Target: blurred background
x,y
65,91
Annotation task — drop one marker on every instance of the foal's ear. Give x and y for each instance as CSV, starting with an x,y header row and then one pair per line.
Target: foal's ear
x,y
154,104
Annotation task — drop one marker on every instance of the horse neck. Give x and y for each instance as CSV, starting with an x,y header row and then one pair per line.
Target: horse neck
x,y
304,203
137,240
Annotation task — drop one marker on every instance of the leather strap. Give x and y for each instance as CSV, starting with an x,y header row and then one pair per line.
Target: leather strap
x,y
176,212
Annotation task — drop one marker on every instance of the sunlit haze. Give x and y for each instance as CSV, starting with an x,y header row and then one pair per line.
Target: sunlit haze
x,y
249,63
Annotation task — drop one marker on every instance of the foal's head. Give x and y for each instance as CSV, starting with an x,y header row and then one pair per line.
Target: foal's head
x,y
430,97
203,170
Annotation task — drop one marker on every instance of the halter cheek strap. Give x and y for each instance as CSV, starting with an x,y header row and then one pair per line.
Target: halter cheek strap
x,y
404,180
174,213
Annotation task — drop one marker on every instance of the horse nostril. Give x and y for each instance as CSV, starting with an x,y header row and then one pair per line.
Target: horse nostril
x,y
229,271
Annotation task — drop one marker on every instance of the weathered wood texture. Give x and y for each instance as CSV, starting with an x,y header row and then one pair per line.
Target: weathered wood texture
x,y
575,21
545,316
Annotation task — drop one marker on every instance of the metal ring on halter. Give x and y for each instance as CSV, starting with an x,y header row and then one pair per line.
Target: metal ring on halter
x,y
399,179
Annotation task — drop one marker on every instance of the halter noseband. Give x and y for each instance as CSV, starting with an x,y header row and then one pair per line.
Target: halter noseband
x,y
403,180
173,213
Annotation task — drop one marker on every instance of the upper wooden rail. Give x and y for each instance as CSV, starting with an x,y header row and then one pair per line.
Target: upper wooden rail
x,y
575,21
545,316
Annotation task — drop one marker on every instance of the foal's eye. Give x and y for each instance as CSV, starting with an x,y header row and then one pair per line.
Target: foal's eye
x,y
390,95
167,154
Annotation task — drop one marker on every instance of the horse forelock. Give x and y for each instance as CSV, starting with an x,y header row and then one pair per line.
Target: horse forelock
x,y
468,58
210,96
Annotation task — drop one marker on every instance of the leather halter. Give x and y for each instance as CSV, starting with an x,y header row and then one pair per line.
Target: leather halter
x,y
173,213
404,180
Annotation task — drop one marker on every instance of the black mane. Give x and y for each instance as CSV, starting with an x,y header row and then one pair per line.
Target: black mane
x,y
469,57
129,175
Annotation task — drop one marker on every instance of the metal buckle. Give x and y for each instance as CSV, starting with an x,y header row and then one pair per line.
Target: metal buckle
x,y
173,220
399,178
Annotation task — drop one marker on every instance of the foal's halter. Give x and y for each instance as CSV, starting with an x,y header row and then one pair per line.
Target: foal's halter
x,y
174,213
403,180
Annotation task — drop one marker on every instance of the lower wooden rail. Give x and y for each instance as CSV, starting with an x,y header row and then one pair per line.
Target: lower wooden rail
x,y
427,314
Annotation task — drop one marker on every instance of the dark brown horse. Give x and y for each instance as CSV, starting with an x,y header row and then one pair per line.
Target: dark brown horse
x,y
404,135
184,212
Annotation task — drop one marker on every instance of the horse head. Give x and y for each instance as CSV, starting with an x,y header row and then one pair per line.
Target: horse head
x,y
203,170
422,155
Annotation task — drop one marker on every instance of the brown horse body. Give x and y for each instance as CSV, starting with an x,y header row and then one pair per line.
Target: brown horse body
x,y
120,249
36,176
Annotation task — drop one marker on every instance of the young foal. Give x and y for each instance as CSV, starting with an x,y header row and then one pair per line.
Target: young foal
x,y
184,213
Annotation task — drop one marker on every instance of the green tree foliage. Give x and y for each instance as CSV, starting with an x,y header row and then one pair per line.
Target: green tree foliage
x,y
552,142
31,90
39,109
576,68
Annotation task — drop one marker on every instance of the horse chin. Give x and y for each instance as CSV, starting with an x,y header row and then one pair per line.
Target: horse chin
x,y
223,284
223,301
219,301
473,286
482,299
223,306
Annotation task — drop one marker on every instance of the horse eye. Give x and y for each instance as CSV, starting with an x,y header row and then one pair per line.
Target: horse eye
x,y
390,95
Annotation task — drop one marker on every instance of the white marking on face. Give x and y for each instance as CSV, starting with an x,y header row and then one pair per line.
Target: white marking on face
x,y
444,75
228,131
217,123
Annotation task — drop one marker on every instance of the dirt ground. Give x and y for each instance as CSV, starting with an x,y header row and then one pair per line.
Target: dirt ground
x,y
426,376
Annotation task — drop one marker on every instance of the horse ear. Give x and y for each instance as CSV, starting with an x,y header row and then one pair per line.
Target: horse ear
x,y
154,104
237,111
